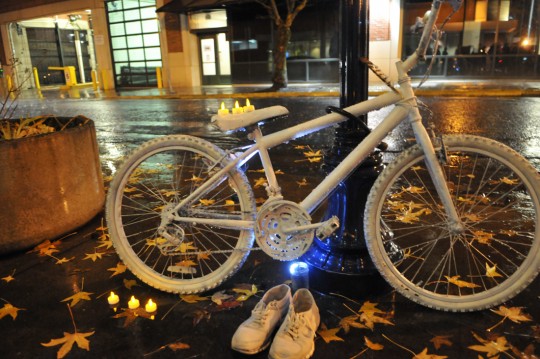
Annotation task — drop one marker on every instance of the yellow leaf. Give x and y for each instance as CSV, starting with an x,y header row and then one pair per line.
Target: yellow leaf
x,y
329,335
186,263
303,182
510,181
130,283
204,256
129,189
195,179
373,346
178,346
67,342
64,260
370,315
77,297
313,153
8,279
351,321
483,237
260,182
93,256
460,283
440,340
10,310
314,159
192,298
119,269
515,314
220,297
491,348
414,189
207,202
246,293
424,355
184,247
492,271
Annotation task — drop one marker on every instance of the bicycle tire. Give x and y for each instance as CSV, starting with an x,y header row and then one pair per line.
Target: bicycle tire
x,y
495,191
151,181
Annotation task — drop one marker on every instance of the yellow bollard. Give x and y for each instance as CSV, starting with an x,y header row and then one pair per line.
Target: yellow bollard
x,y
9,83
94,80
159,78
36,78
104,80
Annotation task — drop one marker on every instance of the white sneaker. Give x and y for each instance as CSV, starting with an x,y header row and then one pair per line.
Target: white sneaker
x,y
254,334
295,338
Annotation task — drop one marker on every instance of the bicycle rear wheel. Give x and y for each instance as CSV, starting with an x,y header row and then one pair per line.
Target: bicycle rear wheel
x,y
186,257
495,191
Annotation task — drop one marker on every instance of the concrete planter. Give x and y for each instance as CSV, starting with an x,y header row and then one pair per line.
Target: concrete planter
x,y
50,184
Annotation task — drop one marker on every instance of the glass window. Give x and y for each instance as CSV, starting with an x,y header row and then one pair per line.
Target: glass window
x,y
134,41
136,54
117,16
148,13
150,26
152,53
118,42
151,39
117,29
120,55
132,15
133,27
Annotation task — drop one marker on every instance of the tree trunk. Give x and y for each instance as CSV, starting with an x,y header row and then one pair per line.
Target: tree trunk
x,y
279,78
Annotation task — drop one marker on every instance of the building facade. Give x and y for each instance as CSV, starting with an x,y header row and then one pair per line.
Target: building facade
x,y
126,43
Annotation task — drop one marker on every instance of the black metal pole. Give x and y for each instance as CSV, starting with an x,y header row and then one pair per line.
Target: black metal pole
x,y
341,262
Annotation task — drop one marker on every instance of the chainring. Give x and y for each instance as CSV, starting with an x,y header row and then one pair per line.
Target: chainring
x,y
273,218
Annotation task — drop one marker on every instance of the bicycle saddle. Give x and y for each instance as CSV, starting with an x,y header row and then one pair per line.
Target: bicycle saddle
x,y
236,122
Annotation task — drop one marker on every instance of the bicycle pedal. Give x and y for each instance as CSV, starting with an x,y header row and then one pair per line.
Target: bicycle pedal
x,y
327,228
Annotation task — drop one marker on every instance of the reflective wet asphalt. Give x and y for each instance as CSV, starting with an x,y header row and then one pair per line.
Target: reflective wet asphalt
x,y
39,282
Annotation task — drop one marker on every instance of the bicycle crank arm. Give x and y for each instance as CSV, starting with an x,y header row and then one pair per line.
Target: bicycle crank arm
x,y
323,229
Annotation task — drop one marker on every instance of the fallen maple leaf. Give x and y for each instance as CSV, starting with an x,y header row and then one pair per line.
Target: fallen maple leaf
x,y
93,256
373,346
77,297
351,321
192,298
441,340
491,348
119,269
130,283
10,310
220,297
424,355
64,260
132,314
369,315
460,283
67,342
184,247
492,271
178,346
514,314
329,335
245,293
8,279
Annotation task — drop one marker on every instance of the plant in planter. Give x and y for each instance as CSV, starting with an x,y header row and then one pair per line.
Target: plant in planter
x,y
50,178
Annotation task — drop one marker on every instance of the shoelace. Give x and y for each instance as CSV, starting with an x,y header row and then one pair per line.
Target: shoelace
x,y
294,321
260,313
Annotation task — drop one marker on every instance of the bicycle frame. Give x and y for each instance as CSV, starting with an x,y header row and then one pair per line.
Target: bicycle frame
x,y
406,108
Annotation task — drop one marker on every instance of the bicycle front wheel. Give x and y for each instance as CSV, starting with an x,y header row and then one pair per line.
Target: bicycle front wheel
x,y
495,191
169,254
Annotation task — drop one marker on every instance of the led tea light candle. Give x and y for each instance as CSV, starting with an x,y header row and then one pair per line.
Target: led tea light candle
x,y
237,109
113,299
223,111
248,107
133,303
150,306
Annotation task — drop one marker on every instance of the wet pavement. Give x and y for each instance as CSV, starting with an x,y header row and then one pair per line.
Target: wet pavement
x,y
82,265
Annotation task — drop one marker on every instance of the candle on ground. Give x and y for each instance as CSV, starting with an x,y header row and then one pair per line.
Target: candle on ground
x,y
113,299
133,303
150,306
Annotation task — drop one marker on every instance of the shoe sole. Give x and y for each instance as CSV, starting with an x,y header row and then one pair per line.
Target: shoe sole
x,y
306,357
255,351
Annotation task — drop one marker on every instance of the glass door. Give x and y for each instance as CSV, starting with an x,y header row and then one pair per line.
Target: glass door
x,y
215,59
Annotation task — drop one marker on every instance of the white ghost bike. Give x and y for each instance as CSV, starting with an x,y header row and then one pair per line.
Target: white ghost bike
x,y
451,223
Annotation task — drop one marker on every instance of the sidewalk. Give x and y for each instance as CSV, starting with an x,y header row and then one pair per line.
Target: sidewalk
x,y
433,87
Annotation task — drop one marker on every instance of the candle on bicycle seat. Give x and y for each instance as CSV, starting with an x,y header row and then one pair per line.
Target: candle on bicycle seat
x,y
223,111
237,109
248,107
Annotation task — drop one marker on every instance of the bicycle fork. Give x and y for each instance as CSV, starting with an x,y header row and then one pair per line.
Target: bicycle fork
x,y
424,140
